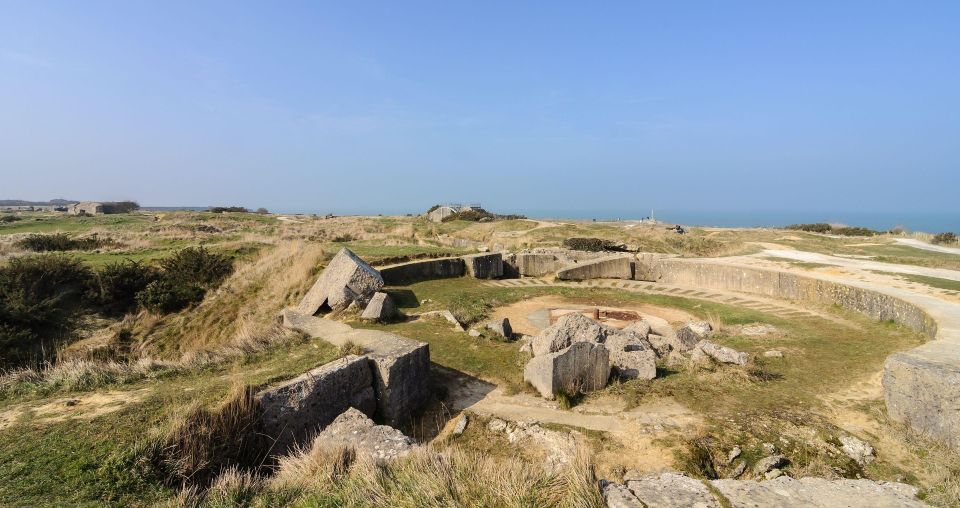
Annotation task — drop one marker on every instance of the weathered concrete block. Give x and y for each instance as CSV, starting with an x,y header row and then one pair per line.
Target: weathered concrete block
x,y
530,264
665,490
380,308
608,268
345,280
924,393
484,266
647,266
582,367
723,354
787,492
574,327
400,366
297,409
426,269
631,356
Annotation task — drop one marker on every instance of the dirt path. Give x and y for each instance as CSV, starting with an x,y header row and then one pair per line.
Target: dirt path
x,y
912,242
861,264
636,430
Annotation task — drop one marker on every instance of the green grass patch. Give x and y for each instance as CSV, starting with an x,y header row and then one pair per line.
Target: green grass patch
x,y
806,265
934,282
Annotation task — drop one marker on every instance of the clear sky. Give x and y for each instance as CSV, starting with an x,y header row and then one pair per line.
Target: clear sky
x,y
391,106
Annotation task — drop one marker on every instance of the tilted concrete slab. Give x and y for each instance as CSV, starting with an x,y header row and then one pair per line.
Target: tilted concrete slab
x,y
619,267
346,278
400,366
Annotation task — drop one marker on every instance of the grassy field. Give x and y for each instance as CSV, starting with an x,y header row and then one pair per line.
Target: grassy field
x,y
934,282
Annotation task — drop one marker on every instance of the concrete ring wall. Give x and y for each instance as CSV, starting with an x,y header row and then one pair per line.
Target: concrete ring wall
x,y
921,386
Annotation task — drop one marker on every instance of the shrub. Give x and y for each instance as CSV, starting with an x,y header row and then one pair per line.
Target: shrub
x,y
947,237
848,231
592,244
9,218
59,242
262,211
40,298
470,215
120,207
432,208
164,296
197,266
819,227
120,282
224,209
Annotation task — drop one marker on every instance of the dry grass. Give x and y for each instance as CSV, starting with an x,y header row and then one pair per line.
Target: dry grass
x,y
425,478
81,375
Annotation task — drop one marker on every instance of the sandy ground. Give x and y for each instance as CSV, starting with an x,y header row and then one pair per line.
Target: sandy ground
x,y
519,313
861,264
85,407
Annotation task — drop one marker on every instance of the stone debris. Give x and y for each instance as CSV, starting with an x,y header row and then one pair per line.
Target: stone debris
x,y
473,332
773,353
560,447
691,333
788,492
380,308
757,329
675,490
773,473
698,358
581,367
639,327
346,279
767,464
501,327
445,314
739,469
722,354
526,344
573,327
859,451
630,355
661,345
662,490
734,453
354,429
461,425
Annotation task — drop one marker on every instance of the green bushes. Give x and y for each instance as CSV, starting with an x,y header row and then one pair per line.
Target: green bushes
x,y
60,242
40,299
947,237
120,207
9,218
592,244
225,209
120,282
184,279
821,227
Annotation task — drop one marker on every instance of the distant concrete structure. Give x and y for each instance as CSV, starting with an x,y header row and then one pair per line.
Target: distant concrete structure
x,y
445,210
86,208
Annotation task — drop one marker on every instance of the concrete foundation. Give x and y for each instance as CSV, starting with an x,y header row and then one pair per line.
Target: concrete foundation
x,y
484,266
297,409
426,269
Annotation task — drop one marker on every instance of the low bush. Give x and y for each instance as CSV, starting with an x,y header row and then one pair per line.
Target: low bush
x,y
592,244
819,227
197,266
9,218
40,299
848,231
224,209
120,207
472,215
60,242
947,237
120,282
164,296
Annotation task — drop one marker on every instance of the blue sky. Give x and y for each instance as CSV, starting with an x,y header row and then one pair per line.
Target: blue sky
x,y
523,106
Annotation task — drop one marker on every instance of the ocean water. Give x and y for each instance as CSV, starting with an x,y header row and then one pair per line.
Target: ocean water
x,y
881,221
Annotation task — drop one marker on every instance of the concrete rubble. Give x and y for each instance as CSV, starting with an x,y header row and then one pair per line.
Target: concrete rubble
x,y
345,280
353,429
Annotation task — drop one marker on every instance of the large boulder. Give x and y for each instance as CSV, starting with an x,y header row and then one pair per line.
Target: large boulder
x,y
574,327
353,429
630,355
345,280
380,308
787,492
295,410
581,367
691,333
722,354
640,327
